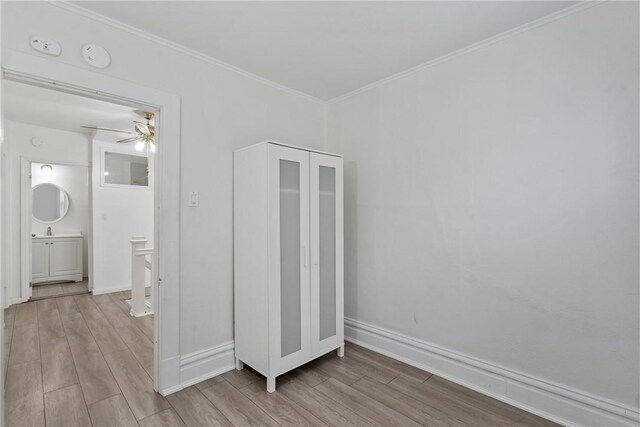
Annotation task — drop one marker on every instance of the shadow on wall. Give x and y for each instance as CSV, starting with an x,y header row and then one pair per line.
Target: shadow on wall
x,y
351,239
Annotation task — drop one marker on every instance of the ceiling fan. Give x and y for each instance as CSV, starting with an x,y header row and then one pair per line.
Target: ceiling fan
x,y
143,133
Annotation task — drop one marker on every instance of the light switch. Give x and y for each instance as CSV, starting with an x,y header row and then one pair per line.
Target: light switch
x,y
194,199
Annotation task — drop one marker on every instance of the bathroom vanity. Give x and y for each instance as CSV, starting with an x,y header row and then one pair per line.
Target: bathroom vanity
x,y
56,258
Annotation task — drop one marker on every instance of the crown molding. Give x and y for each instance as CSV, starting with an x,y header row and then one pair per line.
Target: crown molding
x,y
579,7
571,10
79,10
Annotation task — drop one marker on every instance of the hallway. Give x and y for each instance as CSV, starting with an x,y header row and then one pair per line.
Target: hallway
x,y
71,353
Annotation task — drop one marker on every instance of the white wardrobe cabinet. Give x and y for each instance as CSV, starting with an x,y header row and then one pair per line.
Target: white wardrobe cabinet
x,y
288,257
56,258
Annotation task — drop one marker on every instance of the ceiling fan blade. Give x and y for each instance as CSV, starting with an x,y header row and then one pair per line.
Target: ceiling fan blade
x,y
142,128
109,130
124,141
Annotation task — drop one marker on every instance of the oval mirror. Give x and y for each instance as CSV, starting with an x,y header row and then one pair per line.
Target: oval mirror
x,y
50,203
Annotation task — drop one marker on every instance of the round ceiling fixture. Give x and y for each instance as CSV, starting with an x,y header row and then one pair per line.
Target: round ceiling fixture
x,y
96,56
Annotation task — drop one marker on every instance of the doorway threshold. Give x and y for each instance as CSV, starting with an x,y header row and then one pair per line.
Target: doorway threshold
x,y
54,290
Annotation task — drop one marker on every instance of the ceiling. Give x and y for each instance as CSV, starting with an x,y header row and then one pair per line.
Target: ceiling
x,y
59,110
325,48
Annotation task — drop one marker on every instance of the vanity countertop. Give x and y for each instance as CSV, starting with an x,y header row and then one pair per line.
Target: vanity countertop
x,y
60,236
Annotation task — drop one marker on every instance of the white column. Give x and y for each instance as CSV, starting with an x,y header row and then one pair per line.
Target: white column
x,y
137,276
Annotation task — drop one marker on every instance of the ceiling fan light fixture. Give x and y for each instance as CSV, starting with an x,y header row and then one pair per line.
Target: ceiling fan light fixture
x,y
141,128
143,134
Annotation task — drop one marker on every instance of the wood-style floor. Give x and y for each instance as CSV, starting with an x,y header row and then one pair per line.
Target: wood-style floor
x,y
59,290
83,361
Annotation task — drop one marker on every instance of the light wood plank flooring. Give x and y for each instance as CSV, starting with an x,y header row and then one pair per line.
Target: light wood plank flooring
x,y
83,361
59,290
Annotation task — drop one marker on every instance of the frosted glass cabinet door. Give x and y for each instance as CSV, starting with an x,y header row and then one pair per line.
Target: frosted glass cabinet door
x,y
289,246
326,204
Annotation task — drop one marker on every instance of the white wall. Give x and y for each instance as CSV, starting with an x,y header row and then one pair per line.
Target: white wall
x,y
221,111
492,203
75,181
57,147
119,212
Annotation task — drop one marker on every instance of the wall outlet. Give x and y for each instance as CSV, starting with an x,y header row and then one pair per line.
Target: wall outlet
x,y
194,199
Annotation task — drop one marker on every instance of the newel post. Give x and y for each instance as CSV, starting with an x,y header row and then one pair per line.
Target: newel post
x,y
137,276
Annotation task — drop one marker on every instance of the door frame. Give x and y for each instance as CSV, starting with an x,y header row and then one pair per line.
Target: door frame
x,y
40,71
25,223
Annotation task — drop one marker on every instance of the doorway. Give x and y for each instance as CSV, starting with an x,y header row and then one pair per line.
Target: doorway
x,y
85,188
57,263
78,195
37,72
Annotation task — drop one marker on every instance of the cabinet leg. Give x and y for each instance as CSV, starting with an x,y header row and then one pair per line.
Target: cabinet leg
x,y
239,364
340,351
271,384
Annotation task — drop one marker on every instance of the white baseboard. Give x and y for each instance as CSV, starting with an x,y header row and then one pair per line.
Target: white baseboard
x,y
169,371
552,401
202,365
12,301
